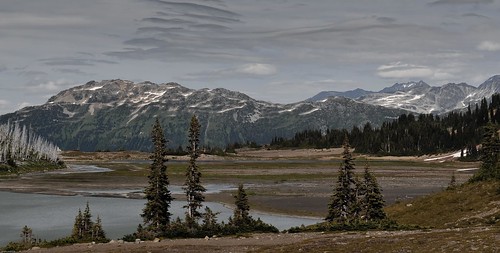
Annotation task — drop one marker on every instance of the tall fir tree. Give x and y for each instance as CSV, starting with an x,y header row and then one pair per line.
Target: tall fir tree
x,y
489,154
343,200
77,227
192,186
241,215
156,213
373,201
97,230
87,220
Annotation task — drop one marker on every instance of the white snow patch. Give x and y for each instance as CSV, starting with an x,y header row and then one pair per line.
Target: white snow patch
x,y
187,94
454,155
230,109
132,118
91,109
416,97
95,88
309,112
254,117
70,114
291,109
467,169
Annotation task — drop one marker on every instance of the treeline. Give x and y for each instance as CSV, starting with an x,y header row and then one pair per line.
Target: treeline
x,y
19,144
408,134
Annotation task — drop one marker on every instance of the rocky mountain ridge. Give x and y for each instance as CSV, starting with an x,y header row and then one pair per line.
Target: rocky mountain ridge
x,y
118,114
420,97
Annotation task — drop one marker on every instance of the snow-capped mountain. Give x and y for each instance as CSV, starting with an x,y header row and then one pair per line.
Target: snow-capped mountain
x,y
353,94
118,114
419,97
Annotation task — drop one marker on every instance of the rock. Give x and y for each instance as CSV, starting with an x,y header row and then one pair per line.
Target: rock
x,y
207,238
156,240
409,205
112,242
137,241
35,248
120,241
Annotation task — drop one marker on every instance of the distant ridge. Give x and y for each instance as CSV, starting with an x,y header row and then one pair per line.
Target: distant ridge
x,y
420,97
118,114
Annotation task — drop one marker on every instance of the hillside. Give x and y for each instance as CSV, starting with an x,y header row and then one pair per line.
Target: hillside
x,y
473,204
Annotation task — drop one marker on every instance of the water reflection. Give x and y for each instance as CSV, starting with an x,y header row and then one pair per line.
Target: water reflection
x,y
52,217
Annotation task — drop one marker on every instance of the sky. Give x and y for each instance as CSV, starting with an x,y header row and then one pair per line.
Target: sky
x,y
280,51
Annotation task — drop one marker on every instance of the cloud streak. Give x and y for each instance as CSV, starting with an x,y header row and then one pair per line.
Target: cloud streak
x,y
250,70
488,46
400,70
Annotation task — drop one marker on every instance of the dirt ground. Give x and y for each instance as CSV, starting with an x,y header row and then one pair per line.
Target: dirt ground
x,y
478,239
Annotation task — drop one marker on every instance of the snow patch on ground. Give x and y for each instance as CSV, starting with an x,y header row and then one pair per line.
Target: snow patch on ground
x,y
442,158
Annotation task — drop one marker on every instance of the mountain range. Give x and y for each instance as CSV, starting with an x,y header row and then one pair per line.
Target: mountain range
x,y
420,97
119,114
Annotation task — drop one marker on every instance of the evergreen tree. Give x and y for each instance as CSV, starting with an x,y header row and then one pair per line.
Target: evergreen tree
x,y
77,227
87,223
343,199
85,230
97,230
27,235
156,213
241,215
209,220
373,202
489,154
193,188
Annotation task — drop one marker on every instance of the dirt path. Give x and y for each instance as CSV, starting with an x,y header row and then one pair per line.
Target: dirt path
x,y
480,239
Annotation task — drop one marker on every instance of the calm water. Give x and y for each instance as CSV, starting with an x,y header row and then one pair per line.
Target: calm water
x,y
52,217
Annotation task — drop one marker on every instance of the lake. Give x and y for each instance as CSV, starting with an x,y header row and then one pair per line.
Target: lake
x,y
52,216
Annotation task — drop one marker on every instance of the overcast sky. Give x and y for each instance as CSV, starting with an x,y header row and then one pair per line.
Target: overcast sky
x,y
274,50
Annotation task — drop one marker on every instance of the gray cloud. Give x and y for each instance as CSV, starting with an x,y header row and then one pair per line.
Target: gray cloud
x,y
4,104
3,68
213,18
386,20
250,70
474,15
173,21
161,30
442,2
70,71
197,8
71,61
33,73
211,27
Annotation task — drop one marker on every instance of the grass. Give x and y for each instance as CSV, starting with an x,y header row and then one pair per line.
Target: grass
x,y
471,204
458,240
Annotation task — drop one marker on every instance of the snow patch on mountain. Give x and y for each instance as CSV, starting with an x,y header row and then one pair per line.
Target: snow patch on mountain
x,y
309,112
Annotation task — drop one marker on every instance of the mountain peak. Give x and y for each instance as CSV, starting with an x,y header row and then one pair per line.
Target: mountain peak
x,y
405,86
